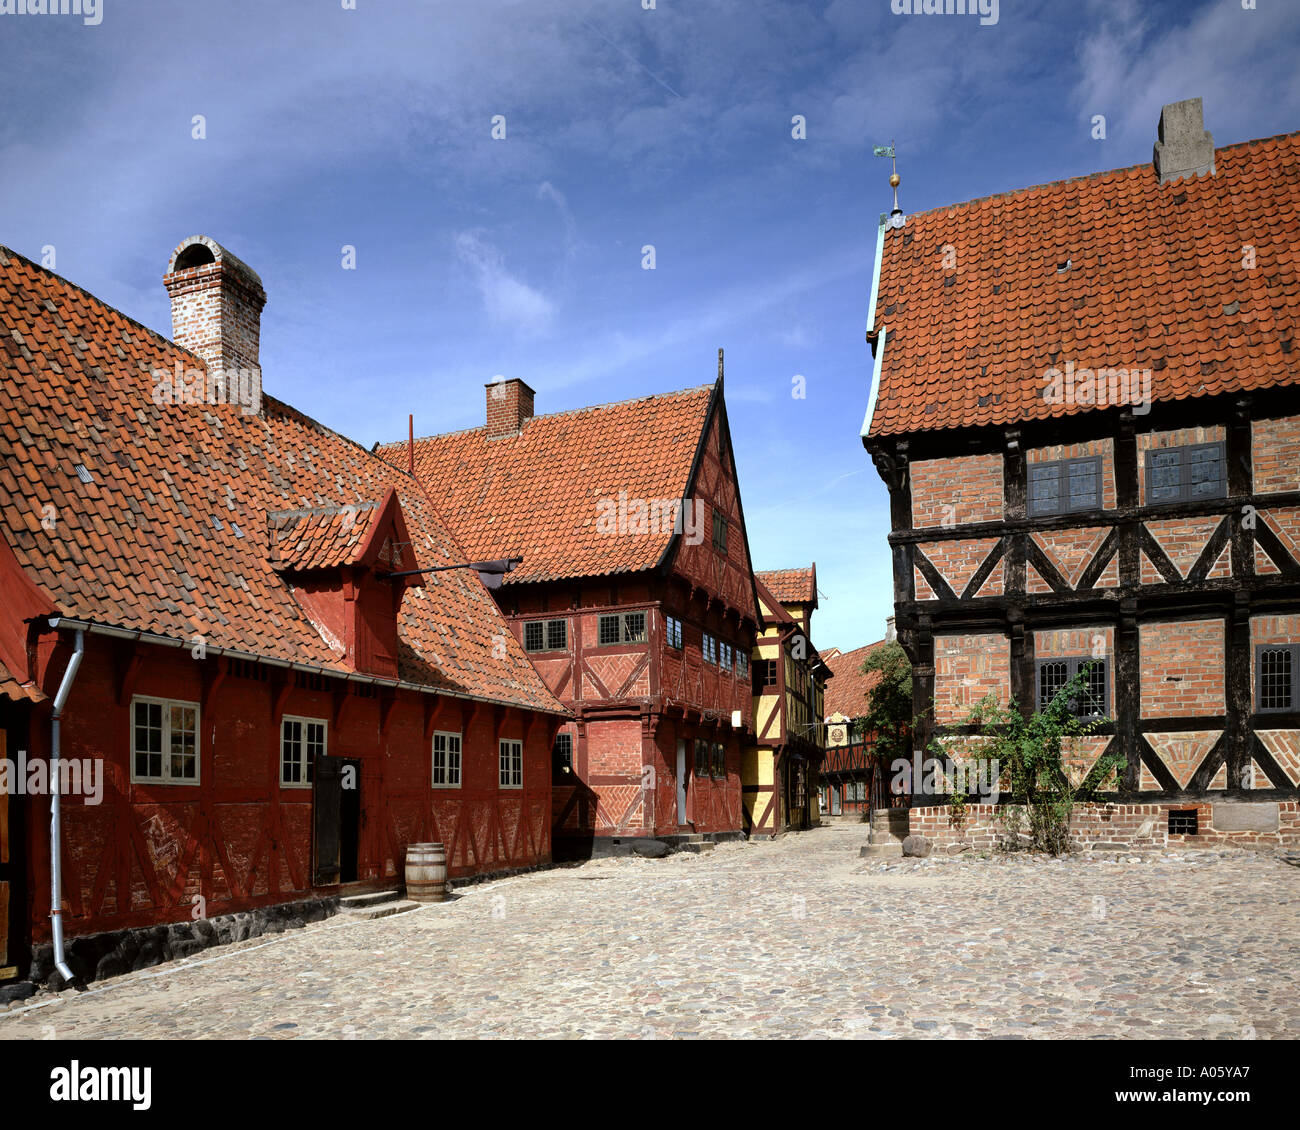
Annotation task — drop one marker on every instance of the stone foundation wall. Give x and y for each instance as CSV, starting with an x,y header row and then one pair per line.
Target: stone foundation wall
x,y
1102,826
114,952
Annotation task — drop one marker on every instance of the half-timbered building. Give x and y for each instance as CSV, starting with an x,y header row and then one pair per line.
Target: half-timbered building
x,y
633,597
218,616
848,768
781,765
1085,409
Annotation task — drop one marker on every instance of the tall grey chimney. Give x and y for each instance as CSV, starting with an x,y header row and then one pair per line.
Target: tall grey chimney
x,y
1185,147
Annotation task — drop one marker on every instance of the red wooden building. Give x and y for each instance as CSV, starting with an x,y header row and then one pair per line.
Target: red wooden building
x,y
848,771
272,694
635,597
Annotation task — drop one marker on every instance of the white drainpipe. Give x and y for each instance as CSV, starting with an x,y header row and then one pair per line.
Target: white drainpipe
x,y
56,843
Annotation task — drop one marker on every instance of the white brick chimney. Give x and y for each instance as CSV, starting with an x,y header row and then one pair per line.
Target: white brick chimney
x,y
217,305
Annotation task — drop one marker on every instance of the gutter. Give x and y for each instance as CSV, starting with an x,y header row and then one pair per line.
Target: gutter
x,y
56,840
94,629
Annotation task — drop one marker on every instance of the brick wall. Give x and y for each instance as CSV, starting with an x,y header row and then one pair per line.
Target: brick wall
x,y
509,405
1182,668
1183,539
957,562
1071,551
614,747
966,668
1101,826
1275,454
954,492
1103,447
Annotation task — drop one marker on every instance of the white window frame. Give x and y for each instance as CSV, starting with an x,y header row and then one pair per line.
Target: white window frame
x,y
325,746
460,759
167,778
510,776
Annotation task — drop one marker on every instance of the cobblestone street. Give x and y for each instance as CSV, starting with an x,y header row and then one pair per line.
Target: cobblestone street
x,y
793,938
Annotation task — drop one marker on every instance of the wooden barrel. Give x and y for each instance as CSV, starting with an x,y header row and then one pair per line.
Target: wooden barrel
x,y
426,872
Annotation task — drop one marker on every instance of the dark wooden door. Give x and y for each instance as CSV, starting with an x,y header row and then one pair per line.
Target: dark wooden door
x,y
326,800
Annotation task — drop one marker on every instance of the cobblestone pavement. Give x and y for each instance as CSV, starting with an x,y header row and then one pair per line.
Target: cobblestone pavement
x,y
794,938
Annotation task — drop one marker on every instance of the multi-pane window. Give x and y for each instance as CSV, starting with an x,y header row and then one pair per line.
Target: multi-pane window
x,y
546,635
622,627
165,741
719,531
742,664
1276,685
1186,474
302,741
674,633
446,760
724,656
563,752
719,759
511,764
764,675
1053,674
1064,485
702,758
710,649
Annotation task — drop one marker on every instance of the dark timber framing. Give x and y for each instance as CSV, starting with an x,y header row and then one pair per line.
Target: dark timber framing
x,y
1018,613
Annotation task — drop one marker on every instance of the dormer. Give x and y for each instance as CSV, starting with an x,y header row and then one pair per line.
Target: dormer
x,y
337,561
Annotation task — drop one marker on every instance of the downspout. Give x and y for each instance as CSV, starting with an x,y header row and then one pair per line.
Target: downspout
x,y
56,842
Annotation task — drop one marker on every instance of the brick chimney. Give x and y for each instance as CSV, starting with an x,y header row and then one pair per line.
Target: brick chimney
x,y
1185,148
217,314
509,406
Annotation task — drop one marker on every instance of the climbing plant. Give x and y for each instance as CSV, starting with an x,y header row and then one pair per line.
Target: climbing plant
x,y
1026,752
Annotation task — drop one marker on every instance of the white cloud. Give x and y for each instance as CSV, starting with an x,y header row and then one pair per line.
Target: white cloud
x,y
1131,66
508,299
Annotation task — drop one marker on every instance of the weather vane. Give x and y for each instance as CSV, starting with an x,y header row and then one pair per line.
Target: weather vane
x,y
895,218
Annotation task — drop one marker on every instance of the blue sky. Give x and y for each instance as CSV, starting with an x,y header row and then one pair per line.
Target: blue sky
x,y
625,126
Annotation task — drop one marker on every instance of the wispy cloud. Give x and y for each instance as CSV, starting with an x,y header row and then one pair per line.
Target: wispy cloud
x,y
508,300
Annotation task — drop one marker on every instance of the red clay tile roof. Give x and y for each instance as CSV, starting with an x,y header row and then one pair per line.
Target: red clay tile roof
x,y
13,690
1156,281
792,586
536,495
171,535
847,693
318,538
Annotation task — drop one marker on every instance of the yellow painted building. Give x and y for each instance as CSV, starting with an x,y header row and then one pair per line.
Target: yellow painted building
x,y
779,770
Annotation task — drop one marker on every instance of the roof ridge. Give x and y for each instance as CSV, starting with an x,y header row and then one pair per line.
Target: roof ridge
x,y
1096,175
9,251
553,415
283,406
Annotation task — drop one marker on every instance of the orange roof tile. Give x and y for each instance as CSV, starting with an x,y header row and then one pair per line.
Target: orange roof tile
x,y
847,693
15,691
791,586
173,534
1108,271
537,495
